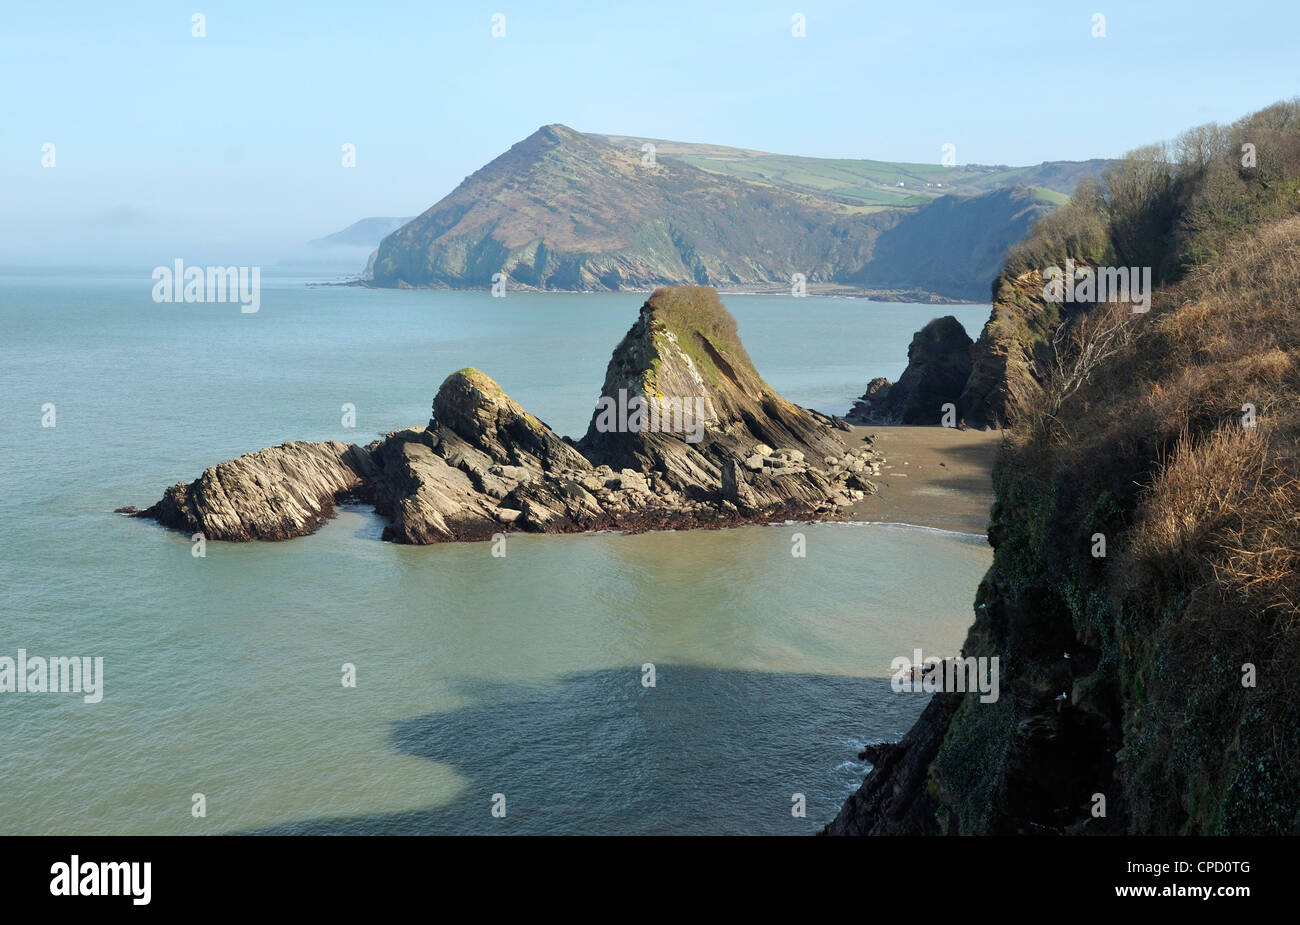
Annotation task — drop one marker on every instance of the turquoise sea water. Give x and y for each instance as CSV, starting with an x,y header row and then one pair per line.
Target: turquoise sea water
x,y
476,675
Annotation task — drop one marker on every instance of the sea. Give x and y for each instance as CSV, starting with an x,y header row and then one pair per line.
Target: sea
x,y
708,681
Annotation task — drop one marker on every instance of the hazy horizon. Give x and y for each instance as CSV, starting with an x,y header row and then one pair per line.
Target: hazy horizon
x,y
227,147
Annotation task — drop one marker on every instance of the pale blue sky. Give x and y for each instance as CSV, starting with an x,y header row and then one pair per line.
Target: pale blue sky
x,y
229,146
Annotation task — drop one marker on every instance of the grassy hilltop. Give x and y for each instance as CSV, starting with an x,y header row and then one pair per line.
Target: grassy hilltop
x,y
566,210
868,183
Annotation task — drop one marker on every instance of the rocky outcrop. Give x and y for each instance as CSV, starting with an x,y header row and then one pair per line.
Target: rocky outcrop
x,y
938,366
686,434
989,380
707,407
482,464
894,799
273,494
1011,350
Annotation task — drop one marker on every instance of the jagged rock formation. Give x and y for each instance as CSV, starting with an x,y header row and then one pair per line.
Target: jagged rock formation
x,y
273,494
717,445
894,799
988,380
685,345
1011,351
938,367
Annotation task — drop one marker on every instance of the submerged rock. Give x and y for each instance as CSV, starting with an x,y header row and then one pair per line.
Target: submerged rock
x,y
686,434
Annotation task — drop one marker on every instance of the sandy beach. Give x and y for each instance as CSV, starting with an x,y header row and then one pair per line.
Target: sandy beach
x,y
933,477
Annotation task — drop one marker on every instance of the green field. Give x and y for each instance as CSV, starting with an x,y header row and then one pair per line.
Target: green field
x,y
871,184
878,183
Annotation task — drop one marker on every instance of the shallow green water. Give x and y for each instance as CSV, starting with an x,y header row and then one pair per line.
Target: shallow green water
x,y
476,675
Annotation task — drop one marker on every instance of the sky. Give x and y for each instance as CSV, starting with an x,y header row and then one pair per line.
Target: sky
x,y
229,146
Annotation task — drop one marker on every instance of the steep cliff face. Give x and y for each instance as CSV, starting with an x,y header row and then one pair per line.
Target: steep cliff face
x,y
990,380
686,434
1164,210
896,798
966,239
1012,350
938,367
1145,586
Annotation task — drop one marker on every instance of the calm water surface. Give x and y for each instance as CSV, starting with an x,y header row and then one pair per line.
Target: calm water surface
x,y
475,675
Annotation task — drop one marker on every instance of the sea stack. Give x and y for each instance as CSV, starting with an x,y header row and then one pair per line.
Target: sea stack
x,y
685,434
938,367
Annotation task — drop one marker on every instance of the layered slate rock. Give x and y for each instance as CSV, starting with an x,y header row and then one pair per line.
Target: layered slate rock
x,y
717,446
273,494
938,368
473,469
682,353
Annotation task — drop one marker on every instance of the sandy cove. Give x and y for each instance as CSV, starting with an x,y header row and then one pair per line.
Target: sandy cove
x,y
932,476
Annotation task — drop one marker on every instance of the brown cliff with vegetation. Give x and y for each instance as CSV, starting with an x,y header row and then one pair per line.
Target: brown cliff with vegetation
x,y
1144,598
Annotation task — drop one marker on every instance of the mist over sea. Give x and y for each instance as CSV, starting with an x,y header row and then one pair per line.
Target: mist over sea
x,y
475,675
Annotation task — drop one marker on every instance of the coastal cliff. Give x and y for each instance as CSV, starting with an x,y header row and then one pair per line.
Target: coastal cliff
x,y
564,210
686,433
1145,585
572,211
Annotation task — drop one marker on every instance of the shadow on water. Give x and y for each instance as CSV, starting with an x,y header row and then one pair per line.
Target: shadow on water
x,y
704,751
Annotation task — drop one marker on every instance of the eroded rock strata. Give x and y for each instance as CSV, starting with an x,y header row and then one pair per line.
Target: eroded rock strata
x,y
714,445
273,494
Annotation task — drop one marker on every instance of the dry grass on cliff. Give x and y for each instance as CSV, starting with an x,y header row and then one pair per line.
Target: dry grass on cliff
x,y
1204,571
1222,502
1225,511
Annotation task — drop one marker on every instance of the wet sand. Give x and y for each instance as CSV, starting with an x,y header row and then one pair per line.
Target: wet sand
x,y
932,477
